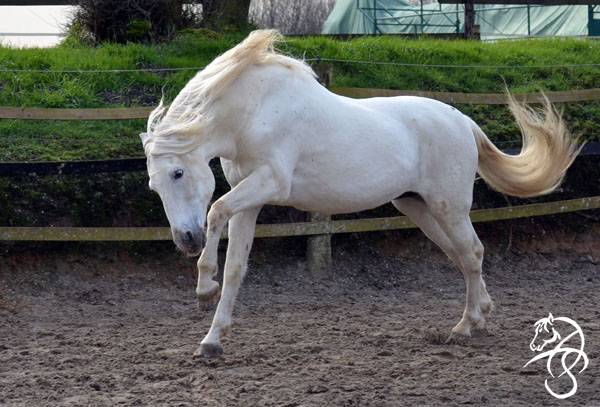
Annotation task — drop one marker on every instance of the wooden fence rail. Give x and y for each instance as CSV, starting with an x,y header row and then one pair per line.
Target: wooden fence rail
x,y
109,113
318,227
121,113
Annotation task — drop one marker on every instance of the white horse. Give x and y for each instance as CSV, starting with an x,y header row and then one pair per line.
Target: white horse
x,y
284,139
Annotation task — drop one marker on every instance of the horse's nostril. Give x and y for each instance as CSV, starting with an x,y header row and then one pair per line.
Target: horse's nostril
x,y
190,237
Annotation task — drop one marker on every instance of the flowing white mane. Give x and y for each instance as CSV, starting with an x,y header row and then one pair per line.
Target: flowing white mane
x,y
176,129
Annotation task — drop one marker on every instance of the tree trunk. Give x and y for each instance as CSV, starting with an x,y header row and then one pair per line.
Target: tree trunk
x,y
177,13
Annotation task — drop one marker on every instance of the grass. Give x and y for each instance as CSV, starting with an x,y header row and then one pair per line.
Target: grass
x,y
53,140
124,199
460,53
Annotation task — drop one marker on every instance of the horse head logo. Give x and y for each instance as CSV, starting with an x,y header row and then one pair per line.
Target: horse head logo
x,y
546,331
543,326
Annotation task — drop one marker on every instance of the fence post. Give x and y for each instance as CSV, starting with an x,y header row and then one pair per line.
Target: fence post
x,y
318,248
324,72
469,19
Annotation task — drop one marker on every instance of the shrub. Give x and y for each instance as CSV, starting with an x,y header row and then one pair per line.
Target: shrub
x,y
132,20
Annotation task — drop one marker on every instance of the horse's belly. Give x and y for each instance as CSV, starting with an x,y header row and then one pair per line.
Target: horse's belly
x,y
345,184
334,202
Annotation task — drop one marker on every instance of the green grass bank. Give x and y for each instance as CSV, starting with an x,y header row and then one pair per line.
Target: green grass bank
x,y
68,76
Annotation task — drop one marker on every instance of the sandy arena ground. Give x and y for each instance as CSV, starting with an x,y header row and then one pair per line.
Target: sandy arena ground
x,y
108,326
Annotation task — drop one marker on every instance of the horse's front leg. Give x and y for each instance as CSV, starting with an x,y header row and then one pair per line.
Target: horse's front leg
x,y
207,290
241,234
263,185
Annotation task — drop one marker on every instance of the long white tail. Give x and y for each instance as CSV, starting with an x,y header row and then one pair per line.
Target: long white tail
x,y
548,151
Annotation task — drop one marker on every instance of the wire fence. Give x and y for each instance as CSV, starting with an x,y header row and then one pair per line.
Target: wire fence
x,y
384,63
82,71
314,59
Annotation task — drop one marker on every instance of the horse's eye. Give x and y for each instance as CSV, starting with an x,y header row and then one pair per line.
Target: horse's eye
x,y
177,174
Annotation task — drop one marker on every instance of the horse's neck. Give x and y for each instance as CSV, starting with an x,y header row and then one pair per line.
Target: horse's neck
x,y
235,111
215,146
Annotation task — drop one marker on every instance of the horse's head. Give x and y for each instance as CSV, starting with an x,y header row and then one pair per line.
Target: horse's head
x,y
185,184
542,327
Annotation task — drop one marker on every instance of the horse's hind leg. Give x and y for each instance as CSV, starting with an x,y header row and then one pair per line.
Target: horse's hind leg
x,y
455,222
416,209
458,240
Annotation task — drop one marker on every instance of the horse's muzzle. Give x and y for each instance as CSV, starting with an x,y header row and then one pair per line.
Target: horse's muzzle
x,y
190,242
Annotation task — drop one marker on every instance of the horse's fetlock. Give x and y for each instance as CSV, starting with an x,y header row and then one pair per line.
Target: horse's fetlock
x,y
475,318
487,306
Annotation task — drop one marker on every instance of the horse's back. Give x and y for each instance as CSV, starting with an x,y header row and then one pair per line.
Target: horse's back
x,y
428,120
439,135
444,136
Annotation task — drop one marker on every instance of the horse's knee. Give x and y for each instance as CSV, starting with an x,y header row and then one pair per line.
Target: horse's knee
x,y
219,212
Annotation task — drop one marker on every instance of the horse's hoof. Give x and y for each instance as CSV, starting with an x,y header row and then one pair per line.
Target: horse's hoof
x,y
457,338
209,351
462,329
479,333
208,300
207,305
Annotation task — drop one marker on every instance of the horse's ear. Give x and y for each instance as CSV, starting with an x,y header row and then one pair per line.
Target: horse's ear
x,y
550,318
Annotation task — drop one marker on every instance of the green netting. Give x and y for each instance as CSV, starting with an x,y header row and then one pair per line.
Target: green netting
x,y
495,21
